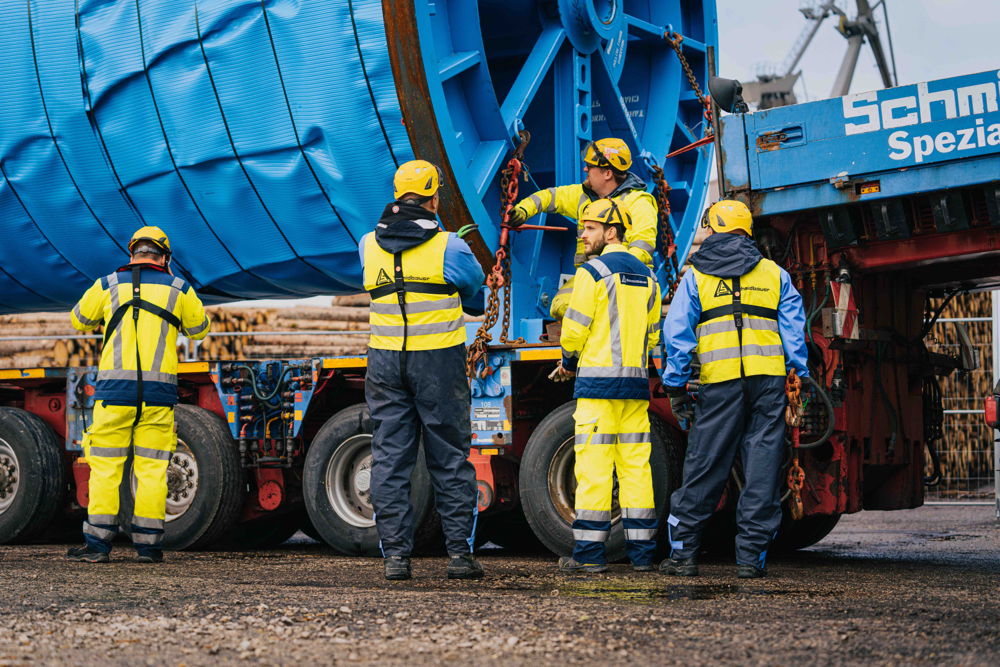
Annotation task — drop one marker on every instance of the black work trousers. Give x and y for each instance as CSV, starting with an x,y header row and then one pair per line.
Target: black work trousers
x,y
738,416
411,395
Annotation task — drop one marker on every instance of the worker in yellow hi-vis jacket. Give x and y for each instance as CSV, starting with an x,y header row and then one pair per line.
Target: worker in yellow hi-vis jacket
x,y
607,163
610,327
143,307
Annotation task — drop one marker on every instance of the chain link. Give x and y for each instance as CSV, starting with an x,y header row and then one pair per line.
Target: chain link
x,y
793,418
668,246
675,40
500,276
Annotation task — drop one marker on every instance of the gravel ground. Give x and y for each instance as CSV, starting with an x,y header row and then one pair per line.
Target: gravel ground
x,y
885,587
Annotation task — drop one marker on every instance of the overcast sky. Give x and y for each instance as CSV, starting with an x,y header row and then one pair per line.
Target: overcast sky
x,y
932,39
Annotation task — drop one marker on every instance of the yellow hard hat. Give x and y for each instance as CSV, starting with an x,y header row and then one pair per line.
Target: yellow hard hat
x,y
153,235
607,212
610,153
728,215
417,176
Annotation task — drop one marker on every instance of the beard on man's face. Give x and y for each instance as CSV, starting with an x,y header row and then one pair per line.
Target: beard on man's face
x,y
594,248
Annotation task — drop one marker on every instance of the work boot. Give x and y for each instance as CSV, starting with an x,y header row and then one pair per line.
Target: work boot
x,y
646,567
150,557
397,568
464,566
85,554
750,571
568,565
680,567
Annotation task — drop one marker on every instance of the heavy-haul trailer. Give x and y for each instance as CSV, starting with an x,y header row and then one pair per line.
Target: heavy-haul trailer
x,y
866,238
262,137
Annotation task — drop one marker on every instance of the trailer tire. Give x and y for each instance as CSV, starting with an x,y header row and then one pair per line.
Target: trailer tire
x,y
204,446
548,485
805,532
335,466
32,478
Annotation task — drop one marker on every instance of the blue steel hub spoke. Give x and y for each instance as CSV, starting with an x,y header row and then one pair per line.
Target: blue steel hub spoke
x,y
567,71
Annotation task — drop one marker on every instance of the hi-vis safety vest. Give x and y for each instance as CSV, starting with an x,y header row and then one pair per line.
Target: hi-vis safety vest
x,y
738,328
143,309
413,307
611,326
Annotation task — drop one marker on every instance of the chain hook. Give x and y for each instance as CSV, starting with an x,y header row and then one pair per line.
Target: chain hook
x,y
793,417
499,278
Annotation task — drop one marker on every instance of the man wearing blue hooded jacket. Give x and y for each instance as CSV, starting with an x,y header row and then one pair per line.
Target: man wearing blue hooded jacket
x,y
743,317
420,279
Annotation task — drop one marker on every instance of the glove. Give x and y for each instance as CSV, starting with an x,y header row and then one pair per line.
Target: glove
x,y
465,230
682,405
516,217
561,374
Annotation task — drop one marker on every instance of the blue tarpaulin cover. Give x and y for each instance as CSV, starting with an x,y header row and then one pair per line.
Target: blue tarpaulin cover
x,y
261,136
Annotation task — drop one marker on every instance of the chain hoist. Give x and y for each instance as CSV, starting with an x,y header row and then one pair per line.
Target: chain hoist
x,y
499,278
793,418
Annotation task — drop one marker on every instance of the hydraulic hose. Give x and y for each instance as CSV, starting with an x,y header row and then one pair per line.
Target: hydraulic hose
x,y
253,383
831,418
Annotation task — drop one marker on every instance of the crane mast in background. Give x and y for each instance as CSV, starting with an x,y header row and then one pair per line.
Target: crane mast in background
x,y
774,87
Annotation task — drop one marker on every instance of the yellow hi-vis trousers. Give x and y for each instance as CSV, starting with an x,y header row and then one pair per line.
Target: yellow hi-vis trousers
x,y
106,447
613,435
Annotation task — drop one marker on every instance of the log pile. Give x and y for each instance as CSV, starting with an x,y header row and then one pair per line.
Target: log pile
x,y
347,315
966,451
44,351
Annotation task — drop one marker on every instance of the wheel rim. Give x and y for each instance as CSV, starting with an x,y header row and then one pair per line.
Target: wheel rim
x,y
10,476
562,484
182,481
348,481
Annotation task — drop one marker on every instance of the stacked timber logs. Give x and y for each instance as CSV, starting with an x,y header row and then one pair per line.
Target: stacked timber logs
x,y
966,450
347,314
233,320
340,329
40,351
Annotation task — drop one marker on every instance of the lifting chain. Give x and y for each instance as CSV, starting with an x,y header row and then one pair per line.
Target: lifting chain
x,y
499,278
793,418
675,39
668,247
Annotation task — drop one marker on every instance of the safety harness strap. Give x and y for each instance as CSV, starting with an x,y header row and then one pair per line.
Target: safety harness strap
x,y
738,319
399,286
745,308
412,288
136,303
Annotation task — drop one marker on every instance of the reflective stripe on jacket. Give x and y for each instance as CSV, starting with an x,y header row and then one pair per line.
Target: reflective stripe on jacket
x,y
570,200
738,327
611,326
433,308
157,339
